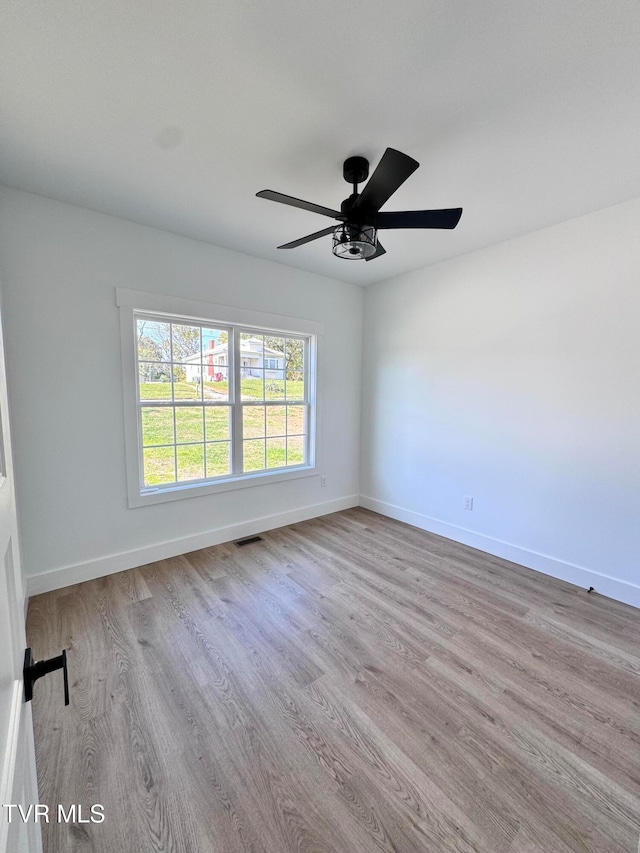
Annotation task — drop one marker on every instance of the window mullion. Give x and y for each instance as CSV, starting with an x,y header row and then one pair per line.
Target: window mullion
x,y
236,408
173,400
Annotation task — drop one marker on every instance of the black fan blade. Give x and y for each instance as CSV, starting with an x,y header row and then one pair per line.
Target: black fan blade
x,y
271,195
295,243
447,218
380,250
391,172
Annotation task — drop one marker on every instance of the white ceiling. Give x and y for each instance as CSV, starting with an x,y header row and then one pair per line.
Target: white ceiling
x,y
174,113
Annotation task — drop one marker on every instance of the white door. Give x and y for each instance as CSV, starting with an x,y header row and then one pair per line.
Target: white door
x,y
18,782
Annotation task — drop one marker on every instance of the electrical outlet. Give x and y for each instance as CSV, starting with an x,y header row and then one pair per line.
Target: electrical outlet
x,y
323,480
468,502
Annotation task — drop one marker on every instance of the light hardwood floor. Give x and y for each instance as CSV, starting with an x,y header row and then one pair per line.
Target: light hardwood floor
x,y
349,685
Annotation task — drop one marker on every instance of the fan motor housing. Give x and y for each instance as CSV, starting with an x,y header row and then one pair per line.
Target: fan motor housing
x,y
348,203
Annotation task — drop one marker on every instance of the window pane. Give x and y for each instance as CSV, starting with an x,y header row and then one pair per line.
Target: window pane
x,y
187,383
218,458
186,343
153,340
251,372
253,455
274,349
252,347
214,340
274,384
276,452
216,422
253,422
295,389
276,420
295,385
154,381
252,387
190,462
295,450
157,425
216,388
189,425
215,364
295,420
295,354
159,466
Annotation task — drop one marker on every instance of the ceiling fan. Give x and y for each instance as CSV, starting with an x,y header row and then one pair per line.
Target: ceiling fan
x,y
356,237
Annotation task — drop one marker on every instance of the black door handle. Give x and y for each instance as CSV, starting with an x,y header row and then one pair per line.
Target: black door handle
x,y
33,670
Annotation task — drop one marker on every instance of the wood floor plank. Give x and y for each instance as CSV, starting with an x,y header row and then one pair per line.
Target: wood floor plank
x,y
349,684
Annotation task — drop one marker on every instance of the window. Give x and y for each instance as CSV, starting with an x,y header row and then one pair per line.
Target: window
x,y
218,404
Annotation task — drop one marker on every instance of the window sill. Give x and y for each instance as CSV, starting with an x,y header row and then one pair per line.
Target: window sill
x,y
190,490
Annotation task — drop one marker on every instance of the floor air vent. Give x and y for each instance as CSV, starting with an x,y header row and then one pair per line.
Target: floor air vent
x,y
240,543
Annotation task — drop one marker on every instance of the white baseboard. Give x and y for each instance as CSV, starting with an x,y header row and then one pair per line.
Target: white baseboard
x,y
59,578
603,584
578,575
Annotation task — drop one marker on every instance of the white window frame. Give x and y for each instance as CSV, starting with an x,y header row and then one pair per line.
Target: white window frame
x,y
131,302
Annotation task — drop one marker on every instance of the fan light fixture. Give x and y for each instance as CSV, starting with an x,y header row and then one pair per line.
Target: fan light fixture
x,y
354,242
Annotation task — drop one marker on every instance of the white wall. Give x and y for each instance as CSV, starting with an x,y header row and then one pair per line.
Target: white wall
x,y
512,375
60,266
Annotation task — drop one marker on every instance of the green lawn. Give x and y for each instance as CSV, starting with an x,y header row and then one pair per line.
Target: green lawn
x,y
275,389
272,453
159,462
273,438
261,421
183,391
192,423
